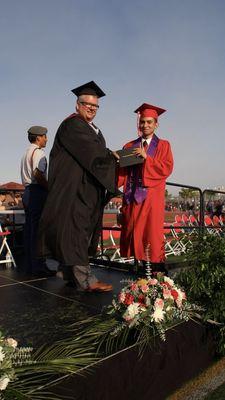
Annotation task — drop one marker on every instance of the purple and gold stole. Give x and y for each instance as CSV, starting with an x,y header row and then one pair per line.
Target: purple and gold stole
x,y
135,191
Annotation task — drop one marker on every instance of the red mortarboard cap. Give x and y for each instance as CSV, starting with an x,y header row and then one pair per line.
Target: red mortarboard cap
x,y
88,88
148,110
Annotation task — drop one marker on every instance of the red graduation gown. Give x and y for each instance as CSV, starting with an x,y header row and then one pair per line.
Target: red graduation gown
x,y
143,223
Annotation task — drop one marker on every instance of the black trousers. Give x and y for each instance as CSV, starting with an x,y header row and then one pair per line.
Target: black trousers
x,y
33,200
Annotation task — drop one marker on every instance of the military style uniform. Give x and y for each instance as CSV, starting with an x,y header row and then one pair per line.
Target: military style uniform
x,y
33,199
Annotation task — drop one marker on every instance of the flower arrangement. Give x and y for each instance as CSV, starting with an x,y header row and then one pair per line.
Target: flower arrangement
x,y
10,357
156,304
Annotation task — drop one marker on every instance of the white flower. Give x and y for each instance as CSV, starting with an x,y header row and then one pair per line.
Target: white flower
x,y
4,382
11,342
181,297
2,355
121,297
181,294
158,314
132,310
168,280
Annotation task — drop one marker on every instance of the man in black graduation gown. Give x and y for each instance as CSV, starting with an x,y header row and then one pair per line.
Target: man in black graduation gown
x,y
81,175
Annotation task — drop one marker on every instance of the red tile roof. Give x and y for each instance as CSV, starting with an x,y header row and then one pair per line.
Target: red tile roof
x,y
11,186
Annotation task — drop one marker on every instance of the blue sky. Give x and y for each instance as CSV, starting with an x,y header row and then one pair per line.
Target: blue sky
x,y
170,53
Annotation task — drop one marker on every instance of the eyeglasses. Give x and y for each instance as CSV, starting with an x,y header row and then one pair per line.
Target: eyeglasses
x,y
89,105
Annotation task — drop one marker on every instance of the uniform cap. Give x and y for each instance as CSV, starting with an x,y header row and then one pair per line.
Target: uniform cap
x,y
89,88
148,110
37,130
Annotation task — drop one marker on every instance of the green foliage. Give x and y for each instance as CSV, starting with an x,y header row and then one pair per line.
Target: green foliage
x,y
31,374
204,281
188,193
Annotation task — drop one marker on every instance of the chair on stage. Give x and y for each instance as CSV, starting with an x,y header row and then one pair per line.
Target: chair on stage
x,y
182,236
222,222
209,224
115,235
6,256
111,249
178,219
217,221
185,219
111,246
193,222
172,245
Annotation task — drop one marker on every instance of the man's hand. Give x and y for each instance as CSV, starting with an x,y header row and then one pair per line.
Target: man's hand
x,y
40,178
116,155
140,152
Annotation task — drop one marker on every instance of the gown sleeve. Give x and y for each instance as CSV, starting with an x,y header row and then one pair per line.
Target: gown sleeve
x,y
159,167
121,176
122,172
84,145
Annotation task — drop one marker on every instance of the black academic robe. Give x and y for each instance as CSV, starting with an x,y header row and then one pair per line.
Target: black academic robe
x,y
81,173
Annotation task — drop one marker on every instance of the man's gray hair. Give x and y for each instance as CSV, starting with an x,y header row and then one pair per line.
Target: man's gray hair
x,y
82,97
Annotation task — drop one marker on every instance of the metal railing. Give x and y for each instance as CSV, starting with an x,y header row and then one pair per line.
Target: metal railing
x,y
201,227
201,223
201,220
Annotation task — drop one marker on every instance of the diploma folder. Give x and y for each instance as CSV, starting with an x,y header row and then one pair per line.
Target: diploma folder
x,y
128,158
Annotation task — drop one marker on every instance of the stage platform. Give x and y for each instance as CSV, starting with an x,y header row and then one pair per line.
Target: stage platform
x,y
38,311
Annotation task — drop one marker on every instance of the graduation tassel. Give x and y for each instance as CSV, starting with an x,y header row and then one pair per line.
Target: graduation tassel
x,y
148,262
138,124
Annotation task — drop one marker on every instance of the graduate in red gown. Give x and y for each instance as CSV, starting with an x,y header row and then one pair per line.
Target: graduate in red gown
x,y
144,192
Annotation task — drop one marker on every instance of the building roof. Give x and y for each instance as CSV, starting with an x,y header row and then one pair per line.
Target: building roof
x,y
11,186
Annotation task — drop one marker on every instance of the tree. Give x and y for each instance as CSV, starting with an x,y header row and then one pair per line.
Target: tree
x,y
167,195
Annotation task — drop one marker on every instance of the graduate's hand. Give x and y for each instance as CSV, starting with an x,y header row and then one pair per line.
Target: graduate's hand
x,y
140,152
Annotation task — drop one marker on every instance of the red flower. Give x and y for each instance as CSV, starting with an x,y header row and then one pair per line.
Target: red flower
x,y
134,286
167,285
141,300
174,294
129,299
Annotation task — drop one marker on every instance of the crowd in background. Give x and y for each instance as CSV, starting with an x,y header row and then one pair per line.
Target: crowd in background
x,y
212,207
216,207
10,200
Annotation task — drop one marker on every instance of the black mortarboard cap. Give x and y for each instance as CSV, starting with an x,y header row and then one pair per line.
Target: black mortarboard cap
x,y
37,130
88,88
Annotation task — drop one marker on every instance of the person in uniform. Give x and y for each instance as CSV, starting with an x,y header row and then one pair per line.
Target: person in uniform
x,y
34,178
144,192
81,175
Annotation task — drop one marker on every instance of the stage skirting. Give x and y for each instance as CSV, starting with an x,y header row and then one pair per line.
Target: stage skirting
x,y
163,368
